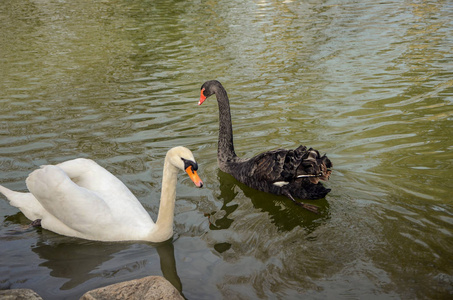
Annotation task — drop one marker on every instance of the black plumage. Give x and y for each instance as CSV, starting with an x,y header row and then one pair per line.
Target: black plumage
x,y
293,173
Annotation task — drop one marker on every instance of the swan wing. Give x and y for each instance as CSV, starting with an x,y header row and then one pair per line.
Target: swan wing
x,y
87,174
26,202
270,166
85,200
65,201
286,165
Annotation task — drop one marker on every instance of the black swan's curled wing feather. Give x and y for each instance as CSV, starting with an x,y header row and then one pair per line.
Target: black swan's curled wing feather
x,y
284,165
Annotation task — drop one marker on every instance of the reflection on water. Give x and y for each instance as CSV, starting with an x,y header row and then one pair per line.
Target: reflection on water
x,y
166,253
74,262
80,261
282,212
369,83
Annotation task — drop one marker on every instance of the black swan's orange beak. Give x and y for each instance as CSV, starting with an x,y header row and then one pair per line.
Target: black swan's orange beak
x,y
202,97
194,176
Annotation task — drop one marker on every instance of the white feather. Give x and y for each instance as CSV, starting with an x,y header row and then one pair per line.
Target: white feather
x,y
280,183
79,198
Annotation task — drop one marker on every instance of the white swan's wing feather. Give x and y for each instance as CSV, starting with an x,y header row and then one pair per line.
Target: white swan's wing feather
x,y
63,199
107,212
26,202
88,174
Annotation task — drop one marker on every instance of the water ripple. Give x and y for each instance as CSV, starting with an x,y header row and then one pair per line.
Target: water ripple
x,y
367,83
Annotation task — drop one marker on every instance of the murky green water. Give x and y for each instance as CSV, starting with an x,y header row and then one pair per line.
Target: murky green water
x,y
369,83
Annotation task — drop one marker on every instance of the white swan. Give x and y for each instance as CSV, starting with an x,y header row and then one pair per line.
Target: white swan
x,y
81,199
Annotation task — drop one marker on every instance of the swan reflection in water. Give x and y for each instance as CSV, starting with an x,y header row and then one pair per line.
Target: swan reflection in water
x,y
85,265
283,214
80,261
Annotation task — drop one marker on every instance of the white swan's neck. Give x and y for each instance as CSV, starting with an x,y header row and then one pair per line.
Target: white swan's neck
x,y
164,224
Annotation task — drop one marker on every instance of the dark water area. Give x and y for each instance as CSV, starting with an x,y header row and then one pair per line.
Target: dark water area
x,y
369,83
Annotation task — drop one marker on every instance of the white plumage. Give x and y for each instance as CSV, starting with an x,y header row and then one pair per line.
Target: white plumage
x,y
79,198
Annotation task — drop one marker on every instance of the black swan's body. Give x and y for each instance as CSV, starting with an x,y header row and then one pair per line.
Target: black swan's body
x,y
293,173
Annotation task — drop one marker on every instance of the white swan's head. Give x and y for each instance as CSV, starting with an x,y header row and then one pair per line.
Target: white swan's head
x,y
182,158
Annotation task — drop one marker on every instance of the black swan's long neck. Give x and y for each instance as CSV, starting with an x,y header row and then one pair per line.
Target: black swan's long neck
x,y
225,150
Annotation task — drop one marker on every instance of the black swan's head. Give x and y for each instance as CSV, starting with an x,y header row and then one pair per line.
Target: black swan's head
x,y
209,88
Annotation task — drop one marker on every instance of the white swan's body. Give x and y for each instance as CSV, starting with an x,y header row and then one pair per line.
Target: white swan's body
x,y
81,199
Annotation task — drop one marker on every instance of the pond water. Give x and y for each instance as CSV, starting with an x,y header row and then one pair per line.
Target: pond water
x,y
369,83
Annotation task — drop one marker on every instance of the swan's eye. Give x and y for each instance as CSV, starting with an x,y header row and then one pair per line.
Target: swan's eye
x,y
189,163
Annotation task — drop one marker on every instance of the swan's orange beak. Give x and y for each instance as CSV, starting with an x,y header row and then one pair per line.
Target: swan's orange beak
x,y
194,176
202,97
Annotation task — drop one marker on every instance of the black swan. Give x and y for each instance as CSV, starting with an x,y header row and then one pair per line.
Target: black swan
x,y
293,173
